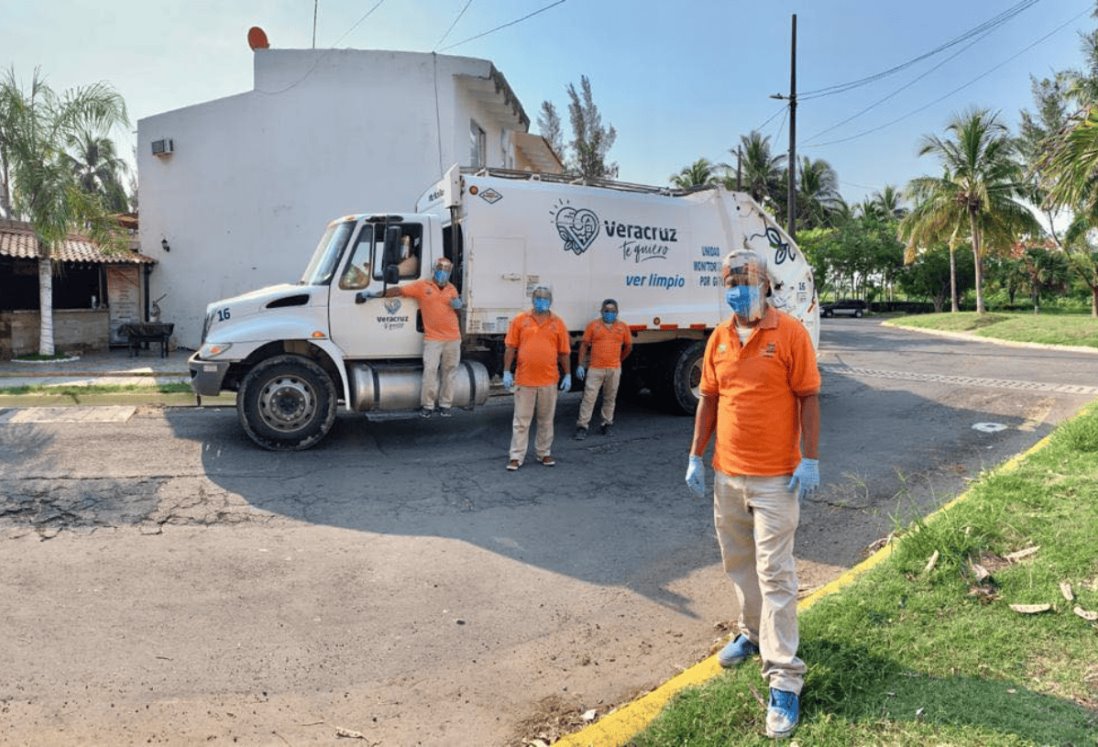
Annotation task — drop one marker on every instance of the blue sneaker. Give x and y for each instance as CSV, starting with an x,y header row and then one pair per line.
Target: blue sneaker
x,y
783,714
737,651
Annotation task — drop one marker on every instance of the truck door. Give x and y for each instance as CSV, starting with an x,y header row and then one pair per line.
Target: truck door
x,y
495,282
380,327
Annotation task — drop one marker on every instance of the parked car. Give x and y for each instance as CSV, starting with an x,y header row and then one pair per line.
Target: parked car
x,y
854,307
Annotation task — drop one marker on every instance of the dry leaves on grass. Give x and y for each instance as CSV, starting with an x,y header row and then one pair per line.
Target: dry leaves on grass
x,y
1065,589
1014,557
1030,609
933,561
1085,614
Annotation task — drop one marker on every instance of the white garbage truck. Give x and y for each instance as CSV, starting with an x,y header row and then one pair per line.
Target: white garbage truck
x,y
294,352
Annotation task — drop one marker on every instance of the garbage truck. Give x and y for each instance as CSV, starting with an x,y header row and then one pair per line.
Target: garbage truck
x,y
294,353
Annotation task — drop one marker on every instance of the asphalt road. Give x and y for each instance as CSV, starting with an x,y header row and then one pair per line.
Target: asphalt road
x,y
164,581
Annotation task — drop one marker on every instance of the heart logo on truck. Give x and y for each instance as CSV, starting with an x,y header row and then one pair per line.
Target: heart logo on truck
x,y
578,228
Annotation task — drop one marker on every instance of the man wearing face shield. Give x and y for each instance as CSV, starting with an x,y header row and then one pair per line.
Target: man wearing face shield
x,y
539,341
759,393
606,343
439,303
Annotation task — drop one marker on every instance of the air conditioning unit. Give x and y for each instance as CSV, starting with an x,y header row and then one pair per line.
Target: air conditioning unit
x,y
163,147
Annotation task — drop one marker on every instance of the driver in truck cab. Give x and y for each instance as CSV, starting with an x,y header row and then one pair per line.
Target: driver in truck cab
x,y
439,303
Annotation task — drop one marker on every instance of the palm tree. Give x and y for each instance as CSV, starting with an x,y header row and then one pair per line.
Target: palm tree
x,y
818,198
698,174
762,171
98,168
976,194
888,203
39,125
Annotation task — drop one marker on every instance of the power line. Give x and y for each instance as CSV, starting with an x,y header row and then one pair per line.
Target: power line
x,y
979,77
470,2
769,119
987,25
509,23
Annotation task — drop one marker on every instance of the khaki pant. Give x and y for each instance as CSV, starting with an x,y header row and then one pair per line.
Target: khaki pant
x,y
606,379
436,352
529,400
756,519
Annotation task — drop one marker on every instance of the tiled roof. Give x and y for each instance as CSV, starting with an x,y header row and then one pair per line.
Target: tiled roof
x,y
17,240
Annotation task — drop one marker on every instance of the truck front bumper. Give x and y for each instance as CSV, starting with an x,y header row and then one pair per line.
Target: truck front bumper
x,y
206,376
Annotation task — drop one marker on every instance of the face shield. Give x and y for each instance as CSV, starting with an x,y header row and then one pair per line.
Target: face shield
x,y
745,283
542,298
443,267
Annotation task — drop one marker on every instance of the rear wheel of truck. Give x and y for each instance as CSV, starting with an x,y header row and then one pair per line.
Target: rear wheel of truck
x,y
286,403
680,377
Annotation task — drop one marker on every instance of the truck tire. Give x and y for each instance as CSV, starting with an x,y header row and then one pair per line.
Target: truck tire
x,y
286,403
680,377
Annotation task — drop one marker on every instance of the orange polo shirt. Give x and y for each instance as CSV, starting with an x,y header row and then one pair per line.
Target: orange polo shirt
x,y
608,344
758,416
440,321
538,342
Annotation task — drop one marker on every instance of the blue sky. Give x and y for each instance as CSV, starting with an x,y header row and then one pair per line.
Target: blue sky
x,y
679,80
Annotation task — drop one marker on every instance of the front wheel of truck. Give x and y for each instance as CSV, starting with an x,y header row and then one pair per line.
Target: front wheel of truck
x,y
286,403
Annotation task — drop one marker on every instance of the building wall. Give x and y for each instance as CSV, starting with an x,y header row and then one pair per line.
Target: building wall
x,y
255,177
74,331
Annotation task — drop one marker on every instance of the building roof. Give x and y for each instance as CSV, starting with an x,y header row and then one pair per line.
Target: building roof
x,y
538,152
17,240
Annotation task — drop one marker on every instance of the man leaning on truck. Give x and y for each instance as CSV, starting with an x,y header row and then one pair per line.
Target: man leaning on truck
x,y
608,342
438,303
539,339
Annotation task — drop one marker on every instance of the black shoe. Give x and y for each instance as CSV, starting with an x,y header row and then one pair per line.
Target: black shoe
x,y
581,433
607,429
444,412
425,412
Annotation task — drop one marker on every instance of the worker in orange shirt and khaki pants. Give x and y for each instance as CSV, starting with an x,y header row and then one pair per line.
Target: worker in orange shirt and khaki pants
x,y
609,342
439,303
539,340
760,393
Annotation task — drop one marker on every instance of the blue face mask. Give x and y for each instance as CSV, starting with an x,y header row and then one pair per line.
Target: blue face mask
x,y
541,305
744,299
442,277
609,316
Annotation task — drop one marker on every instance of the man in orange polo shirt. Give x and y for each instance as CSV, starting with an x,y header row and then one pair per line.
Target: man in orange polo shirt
x,y
608,342
759,392
439,303
540,341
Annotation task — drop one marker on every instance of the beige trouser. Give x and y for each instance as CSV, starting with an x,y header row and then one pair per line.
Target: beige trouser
x,y
756,520
529,400
436,352
606,379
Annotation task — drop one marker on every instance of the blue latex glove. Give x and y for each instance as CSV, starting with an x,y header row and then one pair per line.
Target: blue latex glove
x,y
806,478
508,380
695,476
581,373
456,304
566,383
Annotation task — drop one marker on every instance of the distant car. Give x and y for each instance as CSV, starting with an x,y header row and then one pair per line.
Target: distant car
x,y
851,306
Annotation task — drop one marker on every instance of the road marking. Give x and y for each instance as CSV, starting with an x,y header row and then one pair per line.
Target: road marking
x,y
971,381
104,414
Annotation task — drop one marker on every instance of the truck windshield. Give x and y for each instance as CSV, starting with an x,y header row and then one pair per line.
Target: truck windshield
x,y
326,257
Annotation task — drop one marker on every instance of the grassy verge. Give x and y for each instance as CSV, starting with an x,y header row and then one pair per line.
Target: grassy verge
x,y
76,391
1052,329
911,656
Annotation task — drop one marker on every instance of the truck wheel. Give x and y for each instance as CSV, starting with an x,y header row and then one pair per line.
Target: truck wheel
x,y
286,403
681,377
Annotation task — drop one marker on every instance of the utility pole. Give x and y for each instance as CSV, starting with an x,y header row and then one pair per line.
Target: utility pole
x,y
791,196
315,3
739,168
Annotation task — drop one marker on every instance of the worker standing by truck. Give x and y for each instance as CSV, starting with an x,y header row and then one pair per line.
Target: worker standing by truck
x,y
606,343
439,303
759,392
539,340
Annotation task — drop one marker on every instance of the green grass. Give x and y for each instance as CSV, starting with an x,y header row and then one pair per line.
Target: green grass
x,y
75,391
1054,329
906,657
58,356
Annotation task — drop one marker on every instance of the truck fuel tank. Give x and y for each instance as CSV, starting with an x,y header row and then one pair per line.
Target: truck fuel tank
x,y
386,387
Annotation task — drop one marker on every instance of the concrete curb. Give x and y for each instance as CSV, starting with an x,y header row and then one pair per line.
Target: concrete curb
x,y
972,337
617,728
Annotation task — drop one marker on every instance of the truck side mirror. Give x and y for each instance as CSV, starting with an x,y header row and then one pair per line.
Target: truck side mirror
x,y
391,252
391,275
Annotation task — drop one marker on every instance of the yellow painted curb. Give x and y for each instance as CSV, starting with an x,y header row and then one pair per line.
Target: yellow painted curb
x,y
619,727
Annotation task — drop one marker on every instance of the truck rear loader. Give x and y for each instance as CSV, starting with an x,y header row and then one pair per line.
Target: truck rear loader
x,y
294,352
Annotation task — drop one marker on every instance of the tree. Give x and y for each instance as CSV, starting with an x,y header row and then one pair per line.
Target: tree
x,y
762,170
976,194
591,141
98,168
549,127
818,198
45,190
697,174
935,274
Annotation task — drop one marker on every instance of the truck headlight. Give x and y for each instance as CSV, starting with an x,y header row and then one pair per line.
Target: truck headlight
x,y
213,349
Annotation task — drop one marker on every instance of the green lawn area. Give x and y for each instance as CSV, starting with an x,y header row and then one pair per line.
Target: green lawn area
x,y
911,656
1055,329
74,390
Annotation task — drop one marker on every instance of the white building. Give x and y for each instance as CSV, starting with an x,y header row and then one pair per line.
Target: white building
x,y
235,192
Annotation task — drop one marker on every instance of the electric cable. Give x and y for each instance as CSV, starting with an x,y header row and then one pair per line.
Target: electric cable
x,y
503,26
460,14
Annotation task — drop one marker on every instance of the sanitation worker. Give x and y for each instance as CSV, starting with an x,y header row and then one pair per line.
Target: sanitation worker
x,y
759,393
606,343
439,303
539,341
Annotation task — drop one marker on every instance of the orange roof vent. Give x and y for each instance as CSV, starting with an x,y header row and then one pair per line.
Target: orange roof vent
x,y
257,38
